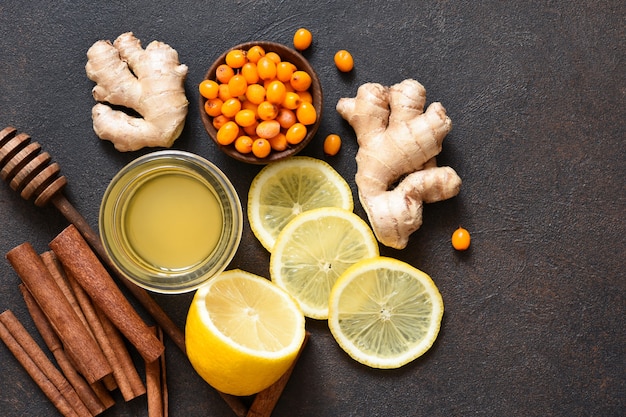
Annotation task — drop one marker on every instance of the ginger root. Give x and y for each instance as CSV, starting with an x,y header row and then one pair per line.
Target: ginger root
x,y
398,141
150,82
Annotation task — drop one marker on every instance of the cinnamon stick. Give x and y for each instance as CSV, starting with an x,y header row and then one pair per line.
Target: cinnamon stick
x,y
39,367
157,406
77,257
265,401
77,341
130,375
82,388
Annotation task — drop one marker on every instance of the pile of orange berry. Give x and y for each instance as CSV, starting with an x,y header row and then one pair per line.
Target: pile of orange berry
x,y
259,102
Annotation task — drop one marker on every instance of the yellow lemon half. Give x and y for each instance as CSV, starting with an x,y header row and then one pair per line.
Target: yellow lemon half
x,y
243,332
314,249
283,189
384,312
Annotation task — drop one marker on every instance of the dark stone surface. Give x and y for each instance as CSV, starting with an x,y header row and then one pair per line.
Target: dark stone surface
x,y
534,322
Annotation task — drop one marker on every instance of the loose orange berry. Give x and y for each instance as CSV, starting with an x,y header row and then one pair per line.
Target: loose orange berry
x,y
231,107
306,114
300,80
461,239
255,53
250,73
261,148
275,92
284,70
223,73
332,144
268,129
227,133
302,39
266,68
245,117
208,89
305,96
251,130
243,144
237,85
267,111
344,61
219,121
296,133
235,58
213,107
279,142
286,118
255,93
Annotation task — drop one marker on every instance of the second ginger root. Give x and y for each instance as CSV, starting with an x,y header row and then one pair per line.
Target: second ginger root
x,y
398,141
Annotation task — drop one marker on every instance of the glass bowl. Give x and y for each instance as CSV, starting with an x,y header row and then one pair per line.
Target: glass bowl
x,y
170,220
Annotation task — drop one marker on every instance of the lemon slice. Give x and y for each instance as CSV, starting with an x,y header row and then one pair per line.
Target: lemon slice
x,y
283,189
242,332
314,249
385,313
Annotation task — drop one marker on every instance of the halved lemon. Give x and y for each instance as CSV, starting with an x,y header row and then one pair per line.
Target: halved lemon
x,y
283,189
243,332
314,249
384,312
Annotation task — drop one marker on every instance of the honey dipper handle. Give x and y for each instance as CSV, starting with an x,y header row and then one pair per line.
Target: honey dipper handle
x,y
73,216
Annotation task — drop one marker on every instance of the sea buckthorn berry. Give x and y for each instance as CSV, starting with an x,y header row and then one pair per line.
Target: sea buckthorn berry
x,y
236,58
275,92
279,142
255,53
461,239
306,114
266,68
245,118
286,118
255,93
302,39
261,148
208,89
268,129
274,57
243,144
300,80
231,107
292,100
344,61
296,133
284,70
223,73
248,105
249,73
332,144
224,92
213,107
237,85
251,130
227,133
305,96
219,121
267,111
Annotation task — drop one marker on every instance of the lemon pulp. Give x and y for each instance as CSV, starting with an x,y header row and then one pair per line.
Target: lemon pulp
x,y
173,221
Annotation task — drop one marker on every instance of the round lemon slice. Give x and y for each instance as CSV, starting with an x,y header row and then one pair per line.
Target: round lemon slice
x,y
283,189
384,312
314,249
242,332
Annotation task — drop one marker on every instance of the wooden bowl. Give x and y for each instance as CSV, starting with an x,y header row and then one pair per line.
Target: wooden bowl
x,y
286,54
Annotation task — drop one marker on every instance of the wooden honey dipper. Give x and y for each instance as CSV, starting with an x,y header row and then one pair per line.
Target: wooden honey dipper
x,y
29,172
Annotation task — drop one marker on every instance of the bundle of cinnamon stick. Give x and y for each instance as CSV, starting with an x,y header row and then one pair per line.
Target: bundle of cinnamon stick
x,y
83,319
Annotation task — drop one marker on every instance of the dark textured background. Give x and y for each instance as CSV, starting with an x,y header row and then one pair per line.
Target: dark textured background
x,y
534,322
